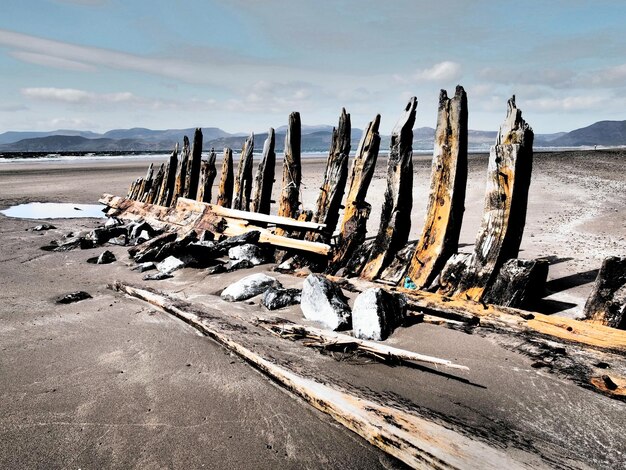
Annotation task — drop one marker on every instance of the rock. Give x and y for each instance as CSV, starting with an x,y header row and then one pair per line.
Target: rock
x,y
148,250
323,301
170,264
135,230
142,267
248,287
101,235
275,298
122,240
113,222
73,297
376,313
253,253
217,269
241,264
42,227
157,276
106,258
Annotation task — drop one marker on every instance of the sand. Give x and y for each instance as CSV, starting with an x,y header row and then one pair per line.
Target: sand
x,y
111,382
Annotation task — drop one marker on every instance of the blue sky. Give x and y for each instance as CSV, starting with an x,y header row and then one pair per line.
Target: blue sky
x,y
244,65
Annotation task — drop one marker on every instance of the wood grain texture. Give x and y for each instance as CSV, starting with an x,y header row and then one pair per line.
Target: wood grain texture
x,y
289,199
264,180
243,180
225,190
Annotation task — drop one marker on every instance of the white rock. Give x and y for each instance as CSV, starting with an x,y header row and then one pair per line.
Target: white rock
x,y
323,301
248,287
376,313
170,264
256,255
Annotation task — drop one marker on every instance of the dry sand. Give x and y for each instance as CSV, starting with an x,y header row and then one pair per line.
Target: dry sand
x,y
109,382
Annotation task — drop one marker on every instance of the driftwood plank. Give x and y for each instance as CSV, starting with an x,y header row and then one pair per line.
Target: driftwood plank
x,y
208,172
169,180
357,210
500,234
188,215
243,181
264,180
181,172
446,203
193,167
225,191
414,440
335,177
606,304
395,220
289,199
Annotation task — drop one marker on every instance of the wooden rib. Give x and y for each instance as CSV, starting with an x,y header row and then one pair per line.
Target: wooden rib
x,y
414,440
357,210
225,191
193,167
156,185
181,172
444,214
145,184
335,177
243,181
606,304
208,172
169,180
187,215
395,220
264,180
289,199
500,234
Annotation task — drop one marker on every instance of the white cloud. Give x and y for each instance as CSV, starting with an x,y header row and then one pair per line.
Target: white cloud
x,y
51,61
443,71
568,103
71,95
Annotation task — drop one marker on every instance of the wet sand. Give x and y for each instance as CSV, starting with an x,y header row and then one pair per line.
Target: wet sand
x,y
110,382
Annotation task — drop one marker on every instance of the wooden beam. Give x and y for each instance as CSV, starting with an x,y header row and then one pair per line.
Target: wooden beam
x,y
264,180
395,220
500,234
357,210
407,436
335,177
243,181
208,172
446,202
188,215
225,191
169,180
181,172
606,304
156,185
193,168
289,199
145,184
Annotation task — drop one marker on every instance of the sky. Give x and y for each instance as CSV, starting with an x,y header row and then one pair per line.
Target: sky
x,y
244,65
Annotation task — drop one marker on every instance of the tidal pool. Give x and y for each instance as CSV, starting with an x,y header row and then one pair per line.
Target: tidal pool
x,y
54,210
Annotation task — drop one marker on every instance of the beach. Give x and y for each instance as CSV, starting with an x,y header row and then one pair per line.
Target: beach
x,y
111,382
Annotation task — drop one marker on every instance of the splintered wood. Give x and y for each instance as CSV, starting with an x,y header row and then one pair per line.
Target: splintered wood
x,y
490,274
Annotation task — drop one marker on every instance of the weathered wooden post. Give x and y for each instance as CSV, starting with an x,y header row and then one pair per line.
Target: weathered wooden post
x,y
145,184
225,191
395,221
357,211
264,180
446,203
132,190
208,172
292,171
169,180
181,173
607,302
502,227
334,183
193,167
156,185
243,181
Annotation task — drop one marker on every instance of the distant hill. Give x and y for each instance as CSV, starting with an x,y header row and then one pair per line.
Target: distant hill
x,y
606,133
314,139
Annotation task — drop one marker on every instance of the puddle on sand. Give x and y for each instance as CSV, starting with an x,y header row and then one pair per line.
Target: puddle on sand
x,y
54,210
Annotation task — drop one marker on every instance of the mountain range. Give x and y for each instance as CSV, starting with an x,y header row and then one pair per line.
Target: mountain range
x,y
314,139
